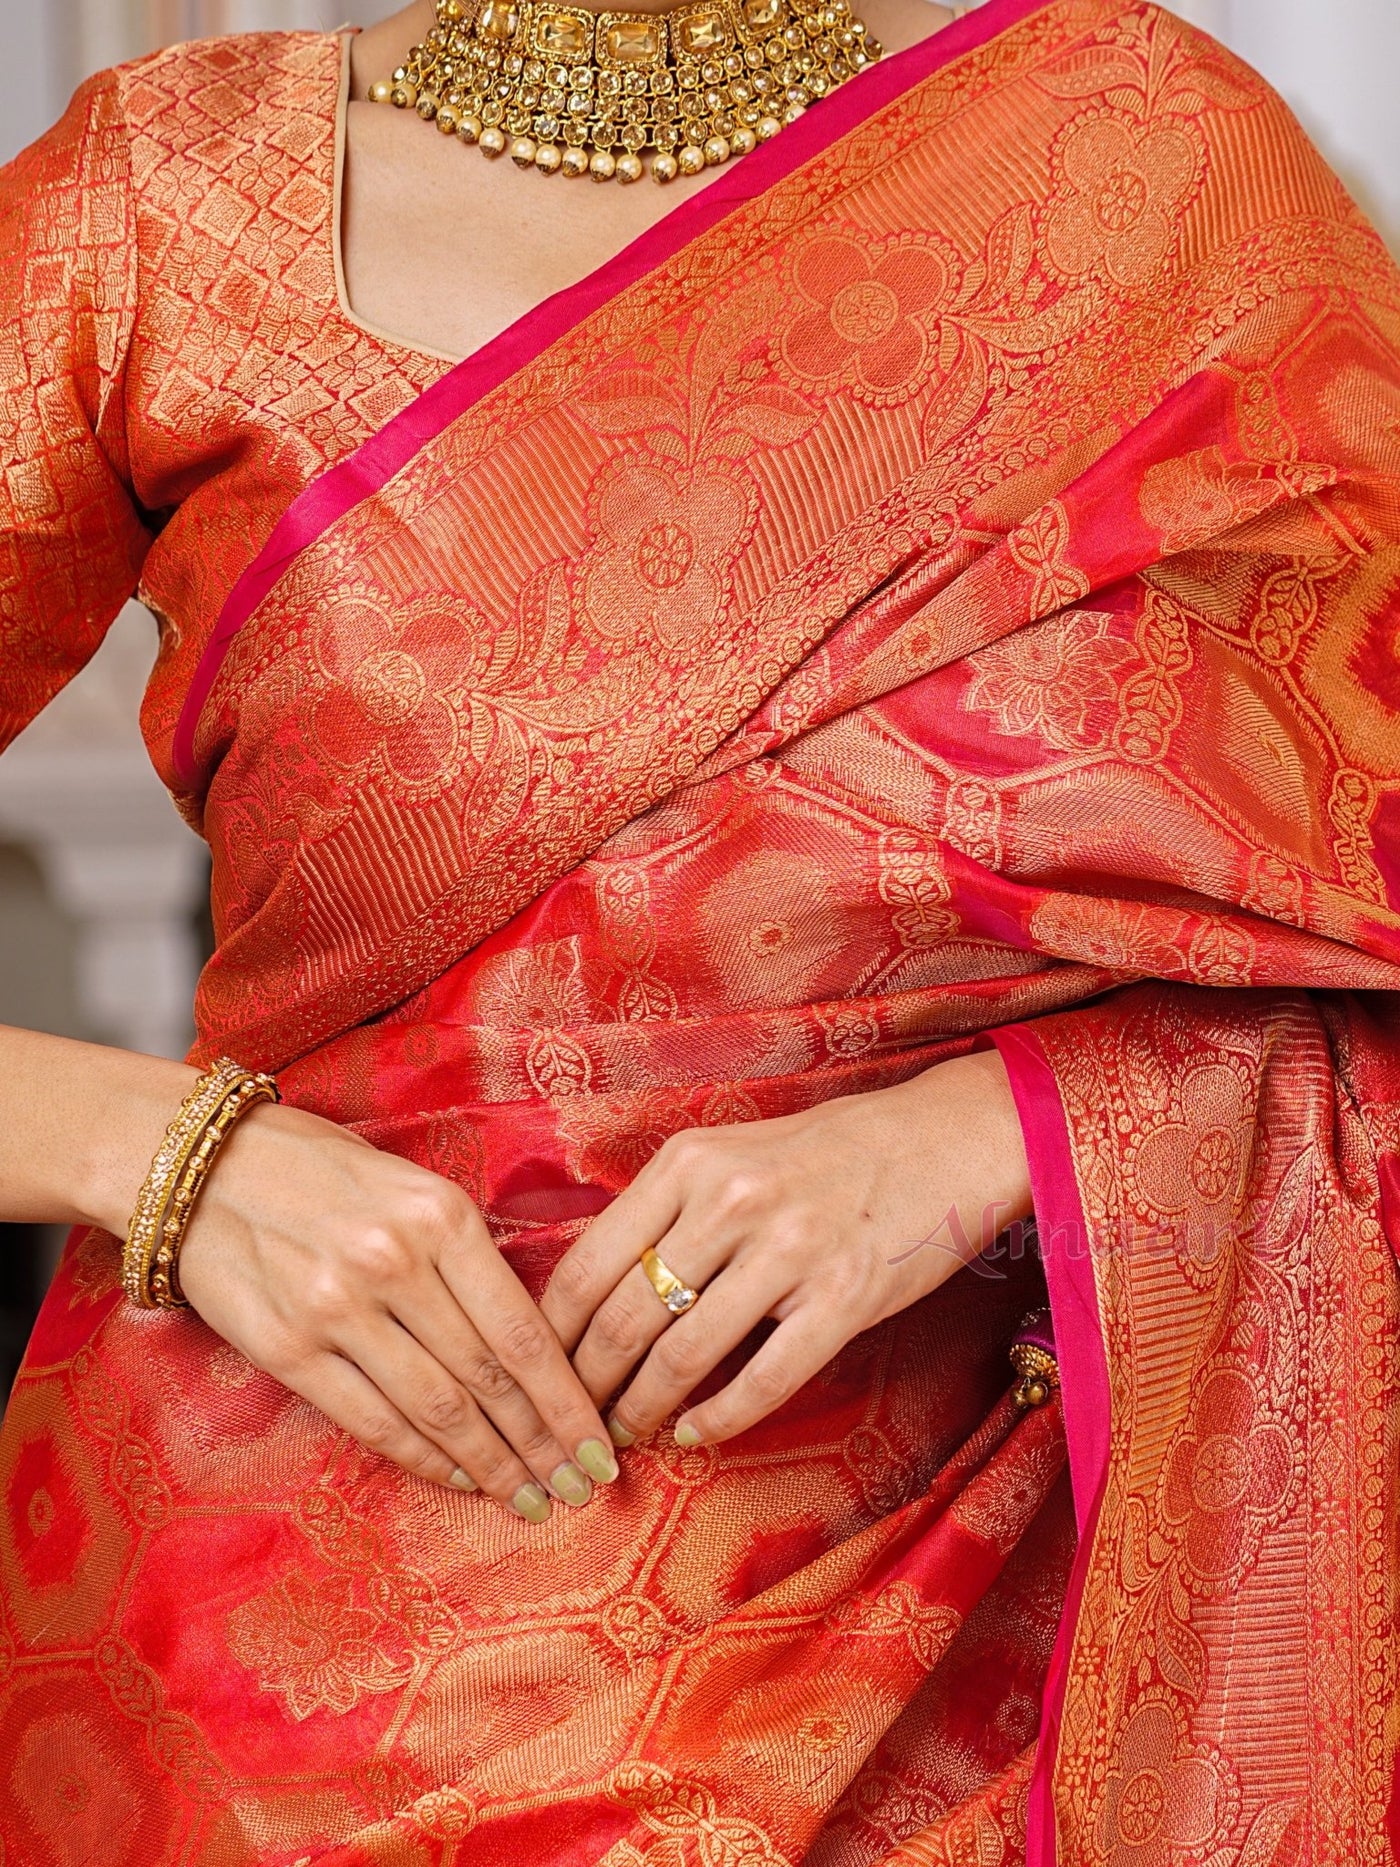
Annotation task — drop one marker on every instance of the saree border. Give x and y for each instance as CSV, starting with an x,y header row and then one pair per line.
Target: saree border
x,y
1067,1259
338,489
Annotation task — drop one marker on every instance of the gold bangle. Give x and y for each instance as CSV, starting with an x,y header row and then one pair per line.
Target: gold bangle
x,y
180,1138
204,1121
165,1268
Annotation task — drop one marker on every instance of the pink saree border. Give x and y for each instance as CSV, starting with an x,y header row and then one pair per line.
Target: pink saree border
x,y
376,461
1084,1391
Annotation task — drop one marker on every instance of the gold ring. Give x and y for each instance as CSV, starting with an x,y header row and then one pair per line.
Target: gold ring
x,y
677,1296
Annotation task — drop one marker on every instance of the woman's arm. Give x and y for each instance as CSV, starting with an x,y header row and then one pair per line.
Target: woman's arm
x,y
79,1127
366,1284
827,1221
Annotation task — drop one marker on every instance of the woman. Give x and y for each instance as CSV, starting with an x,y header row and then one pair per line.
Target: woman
x,y
864,708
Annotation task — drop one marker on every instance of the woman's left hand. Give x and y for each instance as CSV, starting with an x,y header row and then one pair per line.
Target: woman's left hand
x,y
827,1221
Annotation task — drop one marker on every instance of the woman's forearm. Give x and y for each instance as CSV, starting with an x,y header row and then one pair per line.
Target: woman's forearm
x,y
368,1285
79,1127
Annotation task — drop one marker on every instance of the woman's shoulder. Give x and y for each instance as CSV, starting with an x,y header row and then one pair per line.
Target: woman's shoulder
x,y
218,101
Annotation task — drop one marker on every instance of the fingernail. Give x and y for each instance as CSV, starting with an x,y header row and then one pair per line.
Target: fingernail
x,y
619,1434
462,1481
686,1434
597,1460
532,1504
570,1484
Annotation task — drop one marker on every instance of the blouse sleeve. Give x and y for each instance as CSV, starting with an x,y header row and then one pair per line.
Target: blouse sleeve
x,y
72,539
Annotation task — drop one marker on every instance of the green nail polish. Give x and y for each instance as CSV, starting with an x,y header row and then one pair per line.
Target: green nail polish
x,y
619,1434
462,1481
686,1434
597,1460
532,1504
570,1484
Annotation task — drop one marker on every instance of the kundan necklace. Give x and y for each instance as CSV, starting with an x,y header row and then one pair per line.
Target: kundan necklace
x,y
563,88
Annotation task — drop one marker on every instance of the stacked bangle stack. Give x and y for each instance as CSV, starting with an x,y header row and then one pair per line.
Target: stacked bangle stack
x,y
206,1118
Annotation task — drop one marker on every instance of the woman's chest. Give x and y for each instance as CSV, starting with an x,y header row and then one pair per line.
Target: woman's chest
x,y
446,250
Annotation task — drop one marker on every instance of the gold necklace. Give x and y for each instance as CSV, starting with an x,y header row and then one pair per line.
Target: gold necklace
x,y
561,88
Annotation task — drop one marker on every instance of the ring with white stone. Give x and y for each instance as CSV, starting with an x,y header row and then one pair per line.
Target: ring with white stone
x,y
677,1296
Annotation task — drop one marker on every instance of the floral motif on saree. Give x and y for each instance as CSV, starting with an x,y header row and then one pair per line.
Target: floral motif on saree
x,y
939,588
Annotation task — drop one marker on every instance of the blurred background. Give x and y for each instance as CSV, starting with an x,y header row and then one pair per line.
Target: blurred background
x,y
102,890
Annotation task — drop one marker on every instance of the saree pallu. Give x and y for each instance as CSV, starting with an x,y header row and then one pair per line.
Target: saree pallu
x,y
941,587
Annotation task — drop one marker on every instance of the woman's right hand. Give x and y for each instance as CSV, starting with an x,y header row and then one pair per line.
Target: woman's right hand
x,y
372,1288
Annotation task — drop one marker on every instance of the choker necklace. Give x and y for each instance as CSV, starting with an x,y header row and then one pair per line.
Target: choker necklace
x,y
561,88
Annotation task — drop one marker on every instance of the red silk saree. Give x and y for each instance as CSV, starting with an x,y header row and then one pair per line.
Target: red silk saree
x,y
940,588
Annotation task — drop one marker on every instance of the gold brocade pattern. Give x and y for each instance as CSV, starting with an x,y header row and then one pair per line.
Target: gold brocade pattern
x,y
919,608
696,445
1212,1457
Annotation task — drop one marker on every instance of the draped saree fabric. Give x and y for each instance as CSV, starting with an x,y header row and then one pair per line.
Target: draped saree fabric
x,y
940,588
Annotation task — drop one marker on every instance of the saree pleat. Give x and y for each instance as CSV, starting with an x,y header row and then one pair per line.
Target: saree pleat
x,y
942,592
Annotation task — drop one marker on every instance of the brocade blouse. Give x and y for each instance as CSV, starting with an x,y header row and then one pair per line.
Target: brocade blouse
x,y
179,358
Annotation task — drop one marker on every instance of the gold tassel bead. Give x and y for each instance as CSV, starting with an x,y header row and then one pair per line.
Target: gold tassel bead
x,y
1038,1374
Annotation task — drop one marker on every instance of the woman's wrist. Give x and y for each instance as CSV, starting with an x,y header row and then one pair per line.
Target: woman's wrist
x,y
117,1157
968,1101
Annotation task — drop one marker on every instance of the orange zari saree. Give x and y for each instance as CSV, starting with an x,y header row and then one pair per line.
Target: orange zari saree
x,y
940,587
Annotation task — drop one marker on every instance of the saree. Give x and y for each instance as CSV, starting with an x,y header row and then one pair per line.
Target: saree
x,y
940,588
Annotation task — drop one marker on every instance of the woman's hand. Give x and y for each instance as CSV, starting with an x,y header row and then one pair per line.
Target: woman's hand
x,y
372,1288
828,1221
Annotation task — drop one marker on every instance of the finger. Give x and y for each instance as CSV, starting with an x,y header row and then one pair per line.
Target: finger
x,y
596,1263
632,1317
442,1411
694,1345
797,1349
431,1315
352,1402
521,1351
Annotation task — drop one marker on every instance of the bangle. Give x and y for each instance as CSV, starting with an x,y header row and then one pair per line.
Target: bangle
x,y
204,1121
